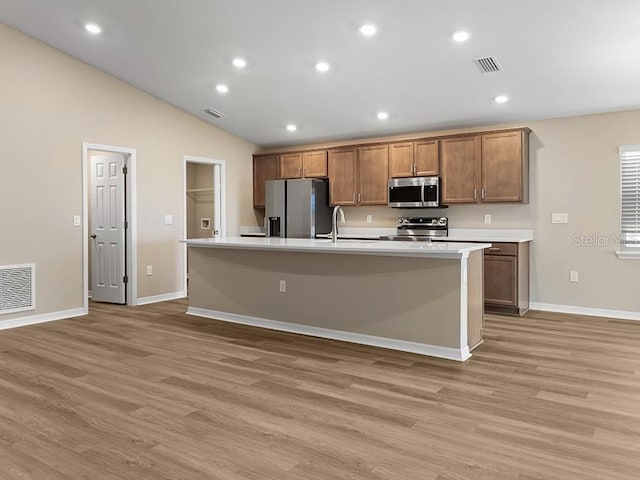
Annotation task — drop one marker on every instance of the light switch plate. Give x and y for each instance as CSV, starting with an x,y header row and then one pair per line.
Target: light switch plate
x,y
559,218
487,219
168,219
77,222
369,218
573,276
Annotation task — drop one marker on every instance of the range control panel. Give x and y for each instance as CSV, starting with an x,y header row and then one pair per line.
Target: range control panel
x,y
441,222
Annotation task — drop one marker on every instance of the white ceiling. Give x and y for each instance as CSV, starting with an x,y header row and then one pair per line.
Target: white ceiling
x,y
559,58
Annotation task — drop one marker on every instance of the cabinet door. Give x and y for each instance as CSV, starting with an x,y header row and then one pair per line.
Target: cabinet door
x,y
501,280
460,164
401,159
314,164
264,168
426,157
502,164
342,176
373,175
291,165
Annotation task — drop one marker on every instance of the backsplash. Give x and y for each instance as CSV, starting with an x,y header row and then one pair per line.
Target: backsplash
x,y
460,216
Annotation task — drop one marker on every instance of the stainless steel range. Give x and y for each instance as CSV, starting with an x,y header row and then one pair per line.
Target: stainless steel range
x,y
419,229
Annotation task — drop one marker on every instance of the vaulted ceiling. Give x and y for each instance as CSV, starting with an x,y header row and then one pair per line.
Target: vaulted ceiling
x,y
557,58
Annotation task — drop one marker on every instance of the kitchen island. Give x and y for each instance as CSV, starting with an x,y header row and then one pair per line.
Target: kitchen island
x,y
425,298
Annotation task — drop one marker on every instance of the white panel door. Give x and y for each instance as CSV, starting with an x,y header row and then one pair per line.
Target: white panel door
x,y
107,228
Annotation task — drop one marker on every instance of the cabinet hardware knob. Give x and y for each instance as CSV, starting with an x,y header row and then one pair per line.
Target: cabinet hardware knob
x,y
483,193
475,193
93,235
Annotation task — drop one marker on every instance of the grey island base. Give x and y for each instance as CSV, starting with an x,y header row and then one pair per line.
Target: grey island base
x,y
425,299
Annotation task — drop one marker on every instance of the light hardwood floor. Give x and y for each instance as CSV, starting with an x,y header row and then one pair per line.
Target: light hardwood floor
x,y
151,393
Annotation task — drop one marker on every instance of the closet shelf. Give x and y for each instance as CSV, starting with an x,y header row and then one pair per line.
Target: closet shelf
x,y
198,190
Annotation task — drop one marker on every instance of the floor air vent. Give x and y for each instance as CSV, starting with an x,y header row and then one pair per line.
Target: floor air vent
x,y
17,288
488,64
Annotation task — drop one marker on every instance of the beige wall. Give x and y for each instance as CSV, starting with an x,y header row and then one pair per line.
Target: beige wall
x,y
51,104
574,169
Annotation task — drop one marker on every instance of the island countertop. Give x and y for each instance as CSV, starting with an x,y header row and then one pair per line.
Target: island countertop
x,y
443,250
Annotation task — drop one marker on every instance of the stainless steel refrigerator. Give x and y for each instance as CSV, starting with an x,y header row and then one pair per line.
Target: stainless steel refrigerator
x,y
297,208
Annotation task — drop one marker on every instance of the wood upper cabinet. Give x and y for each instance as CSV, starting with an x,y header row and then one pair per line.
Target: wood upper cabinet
x,y
373,175
426,157
314,164
401,159
505,165
290,165
303,164
491,167
265,167
460,169
342,166
411,159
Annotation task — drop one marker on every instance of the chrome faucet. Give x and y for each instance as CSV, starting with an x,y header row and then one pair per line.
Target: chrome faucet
x,y
334,222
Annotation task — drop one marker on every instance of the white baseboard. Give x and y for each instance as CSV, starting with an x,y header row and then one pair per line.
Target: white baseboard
x,y
420,348
594,312
160,298
42,318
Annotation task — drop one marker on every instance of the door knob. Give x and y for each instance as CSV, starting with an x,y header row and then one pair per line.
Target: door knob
x,y
93,235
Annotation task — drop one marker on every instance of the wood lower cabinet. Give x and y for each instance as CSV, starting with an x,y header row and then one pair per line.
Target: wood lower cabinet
x,y
506,278
373,175
314,164
343,171
413,159
265,167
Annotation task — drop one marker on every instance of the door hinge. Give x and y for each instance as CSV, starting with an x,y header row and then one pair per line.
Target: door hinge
x,y
125,279
124,169
126,224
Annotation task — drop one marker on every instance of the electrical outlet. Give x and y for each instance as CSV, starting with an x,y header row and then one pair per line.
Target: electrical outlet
x,y
487,219
283,286
559,218
168,219
76,221
369,218
573,276
149,270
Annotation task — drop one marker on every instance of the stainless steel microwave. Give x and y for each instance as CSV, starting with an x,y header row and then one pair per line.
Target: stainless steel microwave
x,y
414,192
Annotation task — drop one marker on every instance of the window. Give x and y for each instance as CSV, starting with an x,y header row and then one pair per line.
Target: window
x,y
630,196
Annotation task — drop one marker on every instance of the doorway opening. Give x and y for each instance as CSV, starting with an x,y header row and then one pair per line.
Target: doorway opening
x,y
204,202
109,224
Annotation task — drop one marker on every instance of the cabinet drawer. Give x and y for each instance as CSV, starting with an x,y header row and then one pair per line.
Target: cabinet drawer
x,y
502,249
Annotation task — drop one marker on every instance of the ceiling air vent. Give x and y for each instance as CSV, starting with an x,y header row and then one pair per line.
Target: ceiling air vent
x,y
488,64
214,113
17,288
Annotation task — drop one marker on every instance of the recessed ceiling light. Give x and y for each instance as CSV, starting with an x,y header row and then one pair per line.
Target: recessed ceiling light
x,y
368,30
322,67
460,36
239,62
501,99
382,115
222,88
291,127
93,28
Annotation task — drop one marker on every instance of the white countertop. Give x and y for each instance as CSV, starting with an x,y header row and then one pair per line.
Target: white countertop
x,y
455,234
445,250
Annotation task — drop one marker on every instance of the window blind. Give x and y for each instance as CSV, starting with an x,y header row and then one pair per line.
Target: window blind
x,y
630,195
